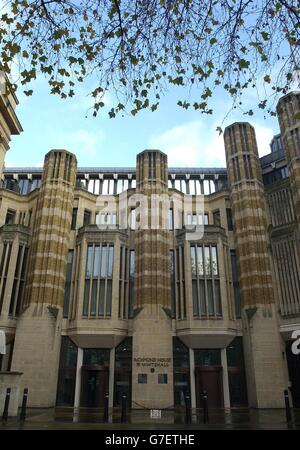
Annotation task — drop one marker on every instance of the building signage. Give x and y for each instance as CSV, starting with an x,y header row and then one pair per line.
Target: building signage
x,y
152,362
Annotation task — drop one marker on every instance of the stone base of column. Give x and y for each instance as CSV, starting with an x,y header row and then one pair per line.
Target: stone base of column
x,y
36,354
263,357
152,360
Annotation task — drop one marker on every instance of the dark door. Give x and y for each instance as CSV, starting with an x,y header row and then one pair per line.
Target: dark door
x,y
94,386
209,379
293,362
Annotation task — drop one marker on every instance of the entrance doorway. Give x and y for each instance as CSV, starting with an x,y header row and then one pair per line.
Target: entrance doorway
x,y
293,362
209,379
94,386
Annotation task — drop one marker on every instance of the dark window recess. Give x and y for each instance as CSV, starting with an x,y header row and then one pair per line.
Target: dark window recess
x,y
10,217
162,378
236,373
19,280
142,378
275,175
229,219
181,371
235,282
96,357
74,219
207,358
67,373
123,371
217,218
86,217
68,283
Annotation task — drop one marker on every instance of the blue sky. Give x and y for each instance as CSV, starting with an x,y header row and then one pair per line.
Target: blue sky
x,y
188,137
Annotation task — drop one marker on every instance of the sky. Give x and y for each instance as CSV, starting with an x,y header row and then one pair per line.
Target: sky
x,y
188,137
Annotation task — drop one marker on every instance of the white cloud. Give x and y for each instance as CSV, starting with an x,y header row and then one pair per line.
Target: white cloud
x,y
264,136
81,142
195,144
191,144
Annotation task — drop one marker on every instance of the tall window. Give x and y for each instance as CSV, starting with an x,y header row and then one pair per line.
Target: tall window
x,y
205,281
126,283
98,280
197,219
229,219
74,219
19,280
86,217
217,217
5,258
68,283
10,217
172,279
235,282
180,284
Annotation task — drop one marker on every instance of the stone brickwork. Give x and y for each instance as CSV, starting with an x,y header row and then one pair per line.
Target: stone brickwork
x,y
152,333
261,340
287,107
38,335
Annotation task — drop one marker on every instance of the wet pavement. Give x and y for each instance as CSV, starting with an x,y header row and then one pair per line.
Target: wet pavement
x,y
92,419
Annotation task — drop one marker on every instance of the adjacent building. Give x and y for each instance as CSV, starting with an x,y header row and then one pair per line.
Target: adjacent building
x,y
153,281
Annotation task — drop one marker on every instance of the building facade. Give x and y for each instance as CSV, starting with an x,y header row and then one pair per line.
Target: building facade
x,y
154,281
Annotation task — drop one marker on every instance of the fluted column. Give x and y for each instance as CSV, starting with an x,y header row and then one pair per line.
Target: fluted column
x,y
288,106
38,336
262,342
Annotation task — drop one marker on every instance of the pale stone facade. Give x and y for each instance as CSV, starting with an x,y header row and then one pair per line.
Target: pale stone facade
x,y
204,296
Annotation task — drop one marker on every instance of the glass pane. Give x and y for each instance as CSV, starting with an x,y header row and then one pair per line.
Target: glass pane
x,y
195,299
94,297
202,298
169,184
111,187
97,187
183,186
96,261
177,185
125,185
192,187
109,297
200,261
206,187
111,261
198,188
89,261
214,260
133,184
205,219
101,298
193,260
119,186
105,187
132,262
205,357
91,186
207,261
103,261
212,186
86,297
218,298
210,300
132,219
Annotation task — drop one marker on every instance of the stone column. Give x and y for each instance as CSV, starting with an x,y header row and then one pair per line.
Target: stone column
x,y
264,367
152,333
38,335
287,107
